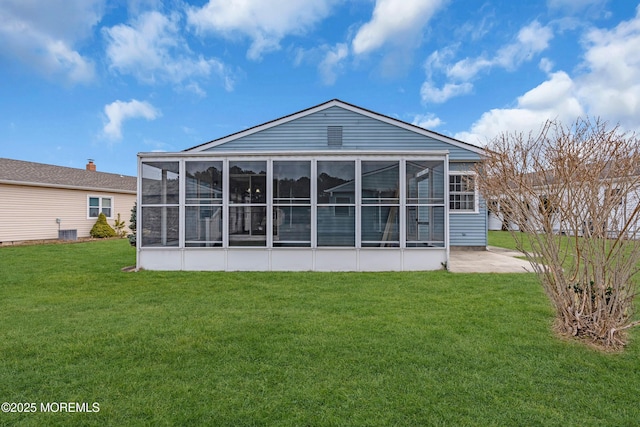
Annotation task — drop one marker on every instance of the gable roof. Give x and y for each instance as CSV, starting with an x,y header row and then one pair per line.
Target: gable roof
x,y
346,106
18,172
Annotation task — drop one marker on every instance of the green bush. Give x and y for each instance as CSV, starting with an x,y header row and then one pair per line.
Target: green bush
x,y
133,223
102,229
118,226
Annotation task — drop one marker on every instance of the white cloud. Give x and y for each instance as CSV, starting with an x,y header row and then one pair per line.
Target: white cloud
x,y
427,121
468,68
43,35
546,65
553,99
119,111
332,63
430,93
266,23
574,6
152,50
396,22
531,40
607,87
329,60
476,30
438,60
611,83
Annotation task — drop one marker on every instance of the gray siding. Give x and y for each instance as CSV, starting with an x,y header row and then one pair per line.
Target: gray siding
x,y
469,229
359,132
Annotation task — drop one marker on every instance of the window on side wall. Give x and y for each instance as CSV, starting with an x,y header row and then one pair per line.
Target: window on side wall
x,y
462,193
97,205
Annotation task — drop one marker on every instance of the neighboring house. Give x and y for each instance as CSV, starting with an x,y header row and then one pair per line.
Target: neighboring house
x,y
331,188
616,199
38,200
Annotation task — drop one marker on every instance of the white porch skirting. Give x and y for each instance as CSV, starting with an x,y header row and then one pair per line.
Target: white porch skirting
x,y
292,259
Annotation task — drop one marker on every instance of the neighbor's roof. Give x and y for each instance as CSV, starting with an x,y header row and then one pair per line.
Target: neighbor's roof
x,y
19,172
346,106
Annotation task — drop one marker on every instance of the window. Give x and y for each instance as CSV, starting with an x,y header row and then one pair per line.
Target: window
x,y
380,203
336,220
99,205
203,211
160,209
248,203
425,203
291,203
462,193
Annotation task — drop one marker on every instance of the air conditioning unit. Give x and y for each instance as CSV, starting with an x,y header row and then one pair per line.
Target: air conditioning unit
x,y
67,234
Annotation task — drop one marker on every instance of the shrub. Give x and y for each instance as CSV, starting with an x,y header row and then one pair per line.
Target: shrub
x,y
133,224
580,182
118,226
102,229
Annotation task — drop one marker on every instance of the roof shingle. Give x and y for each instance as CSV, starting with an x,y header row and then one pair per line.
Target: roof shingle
x,y
21,172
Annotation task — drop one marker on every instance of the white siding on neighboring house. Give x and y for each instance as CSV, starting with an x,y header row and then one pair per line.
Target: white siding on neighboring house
x,y
30,212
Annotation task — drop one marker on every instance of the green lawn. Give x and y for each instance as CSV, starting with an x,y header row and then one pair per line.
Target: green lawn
x,y
292,349
503,239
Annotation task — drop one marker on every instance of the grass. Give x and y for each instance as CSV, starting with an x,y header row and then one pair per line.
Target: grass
x,y
291,349
504,239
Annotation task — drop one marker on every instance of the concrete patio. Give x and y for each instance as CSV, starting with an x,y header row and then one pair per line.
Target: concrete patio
x,y
493,260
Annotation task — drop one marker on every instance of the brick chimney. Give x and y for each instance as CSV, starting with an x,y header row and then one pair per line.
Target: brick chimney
x,y
91,166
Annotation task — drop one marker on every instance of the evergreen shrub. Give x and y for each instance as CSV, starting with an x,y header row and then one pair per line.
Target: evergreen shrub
x,y
101,229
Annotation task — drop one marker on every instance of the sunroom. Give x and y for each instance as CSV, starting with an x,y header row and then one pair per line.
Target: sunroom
x,y
278,212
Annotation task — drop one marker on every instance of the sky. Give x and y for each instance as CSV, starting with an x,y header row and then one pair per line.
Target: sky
x,y
105,80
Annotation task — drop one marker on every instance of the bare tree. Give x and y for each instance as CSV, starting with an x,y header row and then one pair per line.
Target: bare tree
x,y
570,195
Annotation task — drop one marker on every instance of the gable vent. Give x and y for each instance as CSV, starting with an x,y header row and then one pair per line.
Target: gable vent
x,y
334,136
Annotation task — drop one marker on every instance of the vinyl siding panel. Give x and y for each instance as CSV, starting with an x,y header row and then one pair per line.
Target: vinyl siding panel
x,y
359,132
468,229
29,213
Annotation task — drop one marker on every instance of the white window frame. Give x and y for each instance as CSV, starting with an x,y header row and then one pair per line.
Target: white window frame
x,y
228,204
180,204
353,206
274,204
475,209
100,207
190,204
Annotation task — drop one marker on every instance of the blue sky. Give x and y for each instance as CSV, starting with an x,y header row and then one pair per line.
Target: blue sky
x,y
105,80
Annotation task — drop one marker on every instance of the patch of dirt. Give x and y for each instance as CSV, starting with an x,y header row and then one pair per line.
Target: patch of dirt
x,y
52,241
